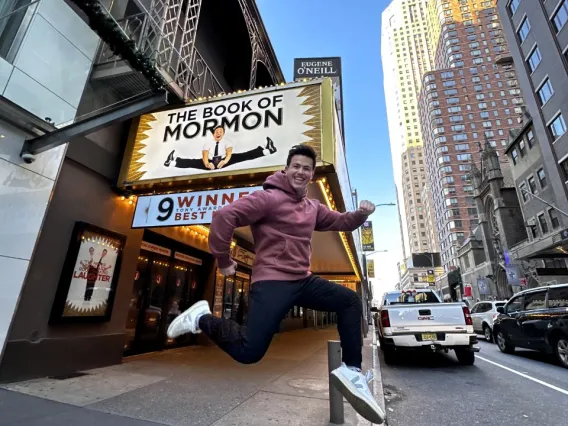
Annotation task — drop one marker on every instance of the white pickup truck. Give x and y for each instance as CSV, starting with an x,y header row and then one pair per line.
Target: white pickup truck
x,y
418,320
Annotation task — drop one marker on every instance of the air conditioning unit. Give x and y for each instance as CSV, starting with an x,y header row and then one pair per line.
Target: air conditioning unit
x,y
531,222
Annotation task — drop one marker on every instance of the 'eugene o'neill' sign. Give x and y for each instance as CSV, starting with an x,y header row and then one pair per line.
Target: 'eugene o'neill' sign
x,y
316,67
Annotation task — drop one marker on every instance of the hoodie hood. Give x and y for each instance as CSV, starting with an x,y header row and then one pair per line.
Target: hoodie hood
x,y
279,181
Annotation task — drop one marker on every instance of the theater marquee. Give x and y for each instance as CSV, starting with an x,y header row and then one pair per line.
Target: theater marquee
x,y
231,135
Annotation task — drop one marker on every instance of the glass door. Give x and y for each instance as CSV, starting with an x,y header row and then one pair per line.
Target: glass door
x,y
136,300
180,288
152,310
228,297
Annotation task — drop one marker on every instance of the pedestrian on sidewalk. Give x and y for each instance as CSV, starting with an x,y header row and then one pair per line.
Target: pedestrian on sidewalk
x,y
282,220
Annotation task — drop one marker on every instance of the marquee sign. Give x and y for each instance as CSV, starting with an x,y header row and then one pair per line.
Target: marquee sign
x,y
232,135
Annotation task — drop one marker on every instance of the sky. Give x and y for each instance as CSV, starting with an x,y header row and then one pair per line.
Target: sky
x,y
351,30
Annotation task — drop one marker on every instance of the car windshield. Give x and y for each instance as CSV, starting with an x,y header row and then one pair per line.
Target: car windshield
x,y
411,297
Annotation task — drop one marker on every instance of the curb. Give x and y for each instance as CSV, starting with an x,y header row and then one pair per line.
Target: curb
x,y
378,391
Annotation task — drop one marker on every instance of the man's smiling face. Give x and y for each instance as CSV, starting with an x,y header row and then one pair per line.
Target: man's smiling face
x,y
300,172
218,134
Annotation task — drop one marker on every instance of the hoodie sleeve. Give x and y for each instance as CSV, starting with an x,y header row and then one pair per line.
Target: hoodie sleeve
x,y
331,220
243,212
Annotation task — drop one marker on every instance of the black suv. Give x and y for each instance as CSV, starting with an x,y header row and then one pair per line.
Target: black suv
x,y
535,319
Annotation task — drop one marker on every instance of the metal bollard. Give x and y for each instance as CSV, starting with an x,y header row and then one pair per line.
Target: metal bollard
x,y
336,414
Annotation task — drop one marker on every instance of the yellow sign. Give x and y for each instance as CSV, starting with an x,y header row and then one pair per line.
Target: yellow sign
x,y
431,278
371,268
367,236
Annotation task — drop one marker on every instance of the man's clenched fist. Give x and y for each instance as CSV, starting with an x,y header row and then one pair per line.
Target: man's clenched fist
x,y
229,271
366,207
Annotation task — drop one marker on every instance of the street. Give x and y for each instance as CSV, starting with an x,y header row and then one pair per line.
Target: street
x,y
523,389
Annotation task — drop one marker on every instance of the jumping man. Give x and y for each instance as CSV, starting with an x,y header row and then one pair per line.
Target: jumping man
x,y
282,221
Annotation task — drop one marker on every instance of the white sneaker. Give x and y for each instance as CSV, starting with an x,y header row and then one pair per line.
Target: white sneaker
x,y
188,321
353,385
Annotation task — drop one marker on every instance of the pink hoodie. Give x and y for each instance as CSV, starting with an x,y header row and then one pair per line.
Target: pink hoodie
x,y
282,223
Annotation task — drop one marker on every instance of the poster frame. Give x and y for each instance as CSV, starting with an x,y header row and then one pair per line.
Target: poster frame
x,y
56,316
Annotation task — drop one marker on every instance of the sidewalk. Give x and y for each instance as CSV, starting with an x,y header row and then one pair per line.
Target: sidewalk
x,y
195,386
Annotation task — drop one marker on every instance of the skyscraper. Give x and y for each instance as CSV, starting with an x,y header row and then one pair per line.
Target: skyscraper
x,y
406,56
466,102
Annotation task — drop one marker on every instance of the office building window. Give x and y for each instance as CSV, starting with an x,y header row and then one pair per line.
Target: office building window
x,y
554,221
543,224
532,184
523,191
541,178
524,30
515,155
557,127
513,6
561,16
530,138
534,59
545,92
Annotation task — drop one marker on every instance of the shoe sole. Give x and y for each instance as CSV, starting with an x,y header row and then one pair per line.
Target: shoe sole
x,y
180,318
361,405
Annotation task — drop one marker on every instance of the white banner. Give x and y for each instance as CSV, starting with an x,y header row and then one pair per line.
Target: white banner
x,y
156,249
236,134
187,258
187,208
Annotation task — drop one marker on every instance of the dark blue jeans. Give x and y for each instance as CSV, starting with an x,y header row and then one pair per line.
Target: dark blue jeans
x,y
271,301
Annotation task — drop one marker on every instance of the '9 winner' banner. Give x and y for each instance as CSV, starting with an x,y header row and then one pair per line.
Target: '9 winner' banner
x,y
188,208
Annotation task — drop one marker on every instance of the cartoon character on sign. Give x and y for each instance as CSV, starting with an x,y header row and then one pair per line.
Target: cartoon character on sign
x,y
218,153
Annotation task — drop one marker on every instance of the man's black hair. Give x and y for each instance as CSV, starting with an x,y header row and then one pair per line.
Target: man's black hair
x,y
220,126
305,150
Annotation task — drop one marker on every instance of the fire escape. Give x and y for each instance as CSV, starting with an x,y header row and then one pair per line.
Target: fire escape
x,y
149,53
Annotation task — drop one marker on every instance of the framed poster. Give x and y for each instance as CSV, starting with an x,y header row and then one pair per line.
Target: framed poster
x,y
90,274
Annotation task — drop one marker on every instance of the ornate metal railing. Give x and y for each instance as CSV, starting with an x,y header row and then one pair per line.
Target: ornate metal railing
x,y
165,34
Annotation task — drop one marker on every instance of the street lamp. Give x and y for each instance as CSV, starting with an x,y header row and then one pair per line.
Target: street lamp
x,y
376,251
385,204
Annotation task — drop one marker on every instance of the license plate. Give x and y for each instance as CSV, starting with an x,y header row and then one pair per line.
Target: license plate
x,y
429,336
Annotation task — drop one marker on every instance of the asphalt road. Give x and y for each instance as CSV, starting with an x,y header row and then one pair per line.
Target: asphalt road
x,y
527,388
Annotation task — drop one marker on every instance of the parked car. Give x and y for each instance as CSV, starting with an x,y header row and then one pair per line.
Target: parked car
x,y
483,314
418,320
535,319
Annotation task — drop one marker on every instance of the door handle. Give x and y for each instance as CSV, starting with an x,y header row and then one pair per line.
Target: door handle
x,y
425,312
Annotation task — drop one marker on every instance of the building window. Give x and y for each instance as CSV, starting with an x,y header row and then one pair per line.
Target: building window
x,y
543,224
534,59
564,166
515,155
554,221
522,148
561,16
530,138
545,92
541,178
513,6
524,30
532,185
557,127
523,190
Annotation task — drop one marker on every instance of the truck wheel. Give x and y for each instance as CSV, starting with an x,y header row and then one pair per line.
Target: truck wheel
x,y
488,333
465,356
503,343
561,350
389,354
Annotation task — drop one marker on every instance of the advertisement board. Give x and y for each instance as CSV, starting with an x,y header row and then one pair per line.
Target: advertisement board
x,y
367,236
232,135
186,208
89,278
370,268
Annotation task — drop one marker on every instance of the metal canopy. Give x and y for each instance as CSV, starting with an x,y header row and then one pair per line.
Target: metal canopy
x,y
58,137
